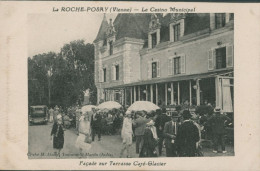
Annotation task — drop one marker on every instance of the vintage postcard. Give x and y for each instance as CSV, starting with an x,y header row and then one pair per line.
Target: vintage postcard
x,y
130,86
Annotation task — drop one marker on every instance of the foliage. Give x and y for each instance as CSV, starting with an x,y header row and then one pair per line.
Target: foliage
x,y
68,74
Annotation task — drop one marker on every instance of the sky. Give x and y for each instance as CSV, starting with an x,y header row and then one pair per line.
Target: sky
x,y
49,32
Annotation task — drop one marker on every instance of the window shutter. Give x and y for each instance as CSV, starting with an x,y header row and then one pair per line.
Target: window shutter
x,y
183,63
210,60
149,76
170,66
112,72
229,56
100,75
173,66
158,69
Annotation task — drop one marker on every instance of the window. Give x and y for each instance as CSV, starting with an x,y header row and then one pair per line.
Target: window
x,y
221,58
231,16
154,69
111,48
105,42
154,40
117,72
177,65
177,34
220,20
104,74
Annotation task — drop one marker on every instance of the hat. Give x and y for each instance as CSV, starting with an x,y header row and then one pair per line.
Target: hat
x,y
217,110
128,113
151,123
59,116
186,114
194,117
175,114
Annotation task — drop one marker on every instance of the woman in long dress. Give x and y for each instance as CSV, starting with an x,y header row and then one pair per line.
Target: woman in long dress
x,y
84,133
126,134
150,141
57,134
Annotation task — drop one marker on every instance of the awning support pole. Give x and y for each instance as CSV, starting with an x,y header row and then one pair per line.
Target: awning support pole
x,y
156,88
172,94
178,93
151,92
166,90
190,93
134,94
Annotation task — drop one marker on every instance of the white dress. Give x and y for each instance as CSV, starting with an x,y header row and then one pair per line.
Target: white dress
x,y
84,129
127,131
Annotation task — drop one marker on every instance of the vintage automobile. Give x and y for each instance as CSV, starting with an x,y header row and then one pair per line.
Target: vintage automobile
x,y
38,114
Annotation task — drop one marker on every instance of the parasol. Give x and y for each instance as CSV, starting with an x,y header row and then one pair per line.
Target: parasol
x,y
109,105
143,105
87,108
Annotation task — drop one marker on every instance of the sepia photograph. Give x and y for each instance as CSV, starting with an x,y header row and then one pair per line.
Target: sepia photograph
x,y
130,85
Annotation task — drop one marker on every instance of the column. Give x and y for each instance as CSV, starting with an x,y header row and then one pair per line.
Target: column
x,y
125,90
172,93
139,93
178,93
190,93
217,90
146,94
113,95
198,92
166,92
131,95
134,94
156,93
151,92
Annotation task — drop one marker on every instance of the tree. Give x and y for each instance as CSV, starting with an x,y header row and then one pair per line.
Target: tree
x,y
71,72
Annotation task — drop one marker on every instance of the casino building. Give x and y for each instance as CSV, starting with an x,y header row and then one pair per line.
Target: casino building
x,y
167,59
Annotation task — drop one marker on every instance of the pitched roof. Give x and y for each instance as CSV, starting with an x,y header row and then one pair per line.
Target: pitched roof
x,y
102,29
132,25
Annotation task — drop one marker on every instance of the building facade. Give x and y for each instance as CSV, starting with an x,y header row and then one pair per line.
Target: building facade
x,y
169,60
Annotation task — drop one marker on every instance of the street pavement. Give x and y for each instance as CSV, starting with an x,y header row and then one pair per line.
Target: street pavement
x,y
40,146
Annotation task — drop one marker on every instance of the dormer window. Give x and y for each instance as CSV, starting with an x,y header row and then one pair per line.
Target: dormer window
x,y
105,42
154,40
220,20
176,26
154,31
111,48
177,32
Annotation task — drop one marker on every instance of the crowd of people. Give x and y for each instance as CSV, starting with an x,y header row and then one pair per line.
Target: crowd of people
x,y
180,133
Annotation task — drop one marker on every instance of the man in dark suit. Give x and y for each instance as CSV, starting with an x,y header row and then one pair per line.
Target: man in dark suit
x,y
139,124
217,123
160,121
96,125
170,133
187,136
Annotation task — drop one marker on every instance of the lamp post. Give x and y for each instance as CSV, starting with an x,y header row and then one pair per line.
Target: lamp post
x,y
49,84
